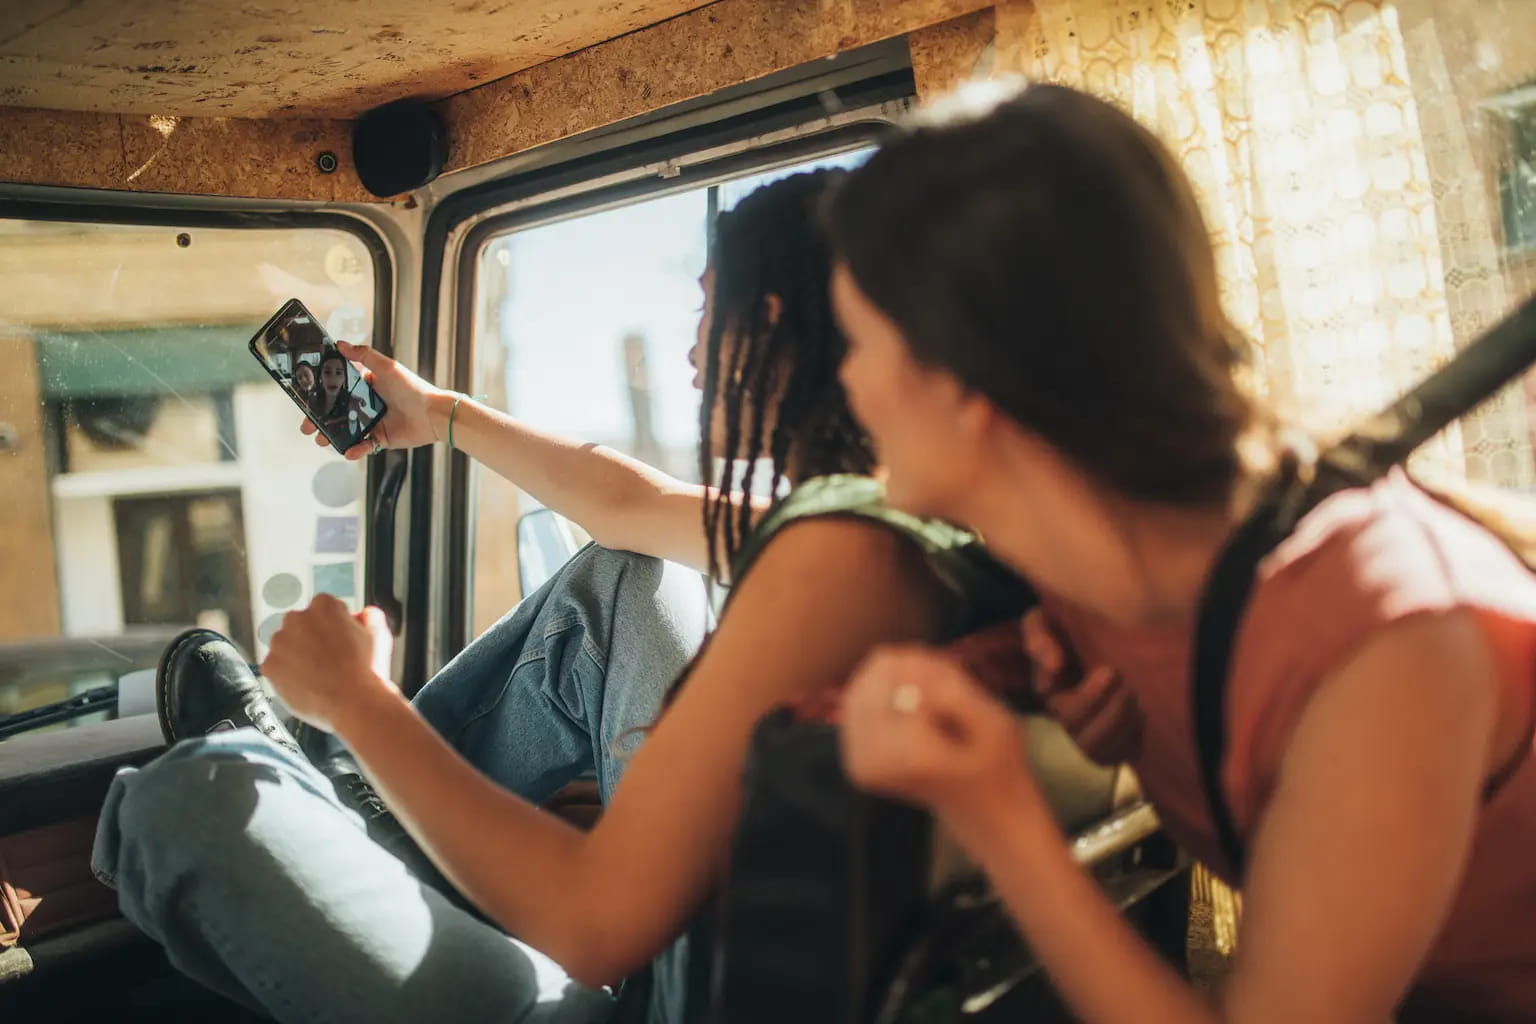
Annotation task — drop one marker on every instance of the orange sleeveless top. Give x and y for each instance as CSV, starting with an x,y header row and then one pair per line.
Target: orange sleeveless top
x,y
1362,559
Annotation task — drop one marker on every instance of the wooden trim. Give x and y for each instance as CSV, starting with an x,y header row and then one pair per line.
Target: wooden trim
x,y
692,55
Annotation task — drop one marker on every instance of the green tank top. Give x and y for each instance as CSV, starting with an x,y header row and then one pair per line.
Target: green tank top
x,y
981,590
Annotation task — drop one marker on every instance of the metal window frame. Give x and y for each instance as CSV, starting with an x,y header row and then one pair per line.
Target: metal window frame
x,y
799,149
674,163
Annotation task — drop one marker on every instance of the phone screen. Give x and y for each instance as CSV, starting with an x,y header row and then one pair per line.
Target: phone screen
x,y
322,382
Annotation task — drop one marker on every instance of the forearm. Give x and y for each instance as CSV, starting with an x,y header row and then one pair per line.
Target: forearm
x,y
623,503
485,839
1100,965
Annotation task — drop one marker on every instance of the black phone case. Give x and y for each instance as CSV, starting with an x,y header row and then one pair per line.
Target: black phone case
x,y
286,309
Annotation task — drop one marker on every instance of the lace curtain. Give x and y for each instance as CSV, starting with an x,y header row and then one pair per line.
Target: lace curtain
x,y
1346,153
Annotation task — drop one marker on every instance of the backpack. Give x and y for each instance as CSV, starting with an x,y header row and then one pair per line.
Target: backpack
x,y
829,896
1381,442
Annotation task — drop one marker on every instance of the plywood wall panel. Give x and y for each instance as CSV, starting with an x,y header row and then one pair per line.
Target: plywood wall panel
x,y
222,156
707,49
212,156
59,147
945,55
260,58
712,48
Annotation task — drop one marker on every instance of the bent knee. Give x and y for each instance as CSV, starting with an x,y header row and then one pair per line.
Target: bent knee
x,y
649,587
198,794
603,567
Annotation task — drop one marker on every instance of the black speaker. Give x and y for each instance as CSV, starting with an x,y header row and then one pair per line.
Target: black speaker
x,y
399,147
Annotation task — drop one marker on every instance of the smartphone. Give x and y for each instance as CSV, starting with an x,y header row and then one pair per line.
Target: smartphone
x,y
322,382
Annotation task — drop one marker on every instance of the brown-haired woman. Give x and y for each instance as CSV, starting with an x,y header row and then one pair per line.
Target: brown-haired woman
x,y
1038,350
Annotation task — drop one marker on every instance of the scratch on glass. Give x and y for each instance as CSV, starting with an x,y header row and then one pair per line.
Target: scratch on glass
x,y
223,441
109,650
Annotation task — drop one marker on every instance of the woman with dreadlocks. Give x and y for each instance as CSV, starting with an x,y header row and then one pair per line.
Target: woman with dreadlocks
x,y
234,851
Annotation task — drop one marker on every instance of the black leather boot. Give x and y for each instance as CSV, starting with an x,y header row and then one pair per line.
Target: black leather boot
x,y
327,753
204,685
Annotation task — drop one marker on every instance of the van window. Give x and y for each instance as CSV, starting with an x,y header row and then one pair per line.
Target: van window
x,y
154,476
583,327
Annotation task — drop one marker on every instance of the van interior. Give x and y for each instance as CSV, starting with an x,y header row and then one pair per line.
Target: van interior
x,y
512,198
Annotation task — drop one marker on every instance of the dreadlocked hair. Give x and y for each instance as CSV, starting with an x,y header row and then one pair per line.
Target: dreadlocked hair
x,y
780,395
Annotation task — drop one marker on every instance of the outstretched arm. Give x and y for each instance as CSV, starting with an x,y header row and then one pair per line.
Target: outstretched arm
x,y
1355,864
602,902
622,502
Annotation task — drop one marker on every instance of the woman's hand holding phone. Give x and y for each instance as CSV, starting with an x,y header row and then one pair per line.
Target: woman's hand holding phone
x,y
409,423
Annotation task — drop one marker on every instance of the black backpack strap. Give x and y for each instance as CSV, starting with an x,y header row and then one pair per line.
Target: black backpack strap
x,y
1382,441
1222,606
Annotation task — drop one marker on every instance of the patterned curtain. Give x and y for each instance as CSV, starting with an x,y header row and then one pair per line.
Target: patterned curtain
x,y
1346,162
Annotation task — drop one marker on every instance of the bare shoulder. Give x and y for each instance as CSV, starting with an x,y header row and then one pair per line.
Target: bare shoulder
x,y
1429,687
1439,658
853,567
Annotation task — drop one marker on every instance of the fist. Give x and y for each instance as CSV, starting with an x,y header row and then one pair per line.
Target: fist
x,y
916,726
325,659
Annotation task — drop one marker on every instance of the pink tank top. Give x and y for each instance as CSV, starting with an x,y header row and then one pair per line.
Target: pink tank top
x,y
1360,560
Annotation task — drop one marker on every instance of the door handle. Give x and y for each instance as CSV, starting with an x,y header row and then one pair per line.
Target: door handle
x,y
380,589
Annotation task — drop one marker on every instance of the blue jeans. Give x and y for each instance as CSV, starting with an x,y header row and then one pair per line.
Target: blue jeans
x,y
238,858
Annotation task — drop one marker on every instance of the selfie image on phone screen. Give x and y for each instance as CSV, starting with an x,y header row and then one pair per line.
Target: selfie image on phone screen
x,y
306,363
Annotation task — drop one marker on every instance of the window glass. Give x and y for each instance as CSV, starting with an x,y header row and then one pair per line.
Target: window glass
x,y
154,475
583,327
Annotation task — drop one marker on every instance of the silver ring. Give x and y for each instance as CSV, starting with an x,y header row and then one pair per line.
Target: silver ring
x,y
376,446
906,698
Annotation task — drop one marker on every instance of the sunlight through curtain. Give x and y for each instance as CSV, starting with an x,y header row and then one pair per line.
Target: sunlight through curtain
x,y
1342,155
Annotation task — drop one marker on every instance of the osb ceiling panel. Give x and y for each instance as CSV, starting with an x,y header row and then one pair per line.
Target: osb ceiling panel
x,y
257,58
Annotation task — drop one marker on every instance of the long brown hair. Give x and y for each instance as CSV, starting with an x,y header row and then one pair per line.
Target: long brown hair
x,y
1048,252
1047,249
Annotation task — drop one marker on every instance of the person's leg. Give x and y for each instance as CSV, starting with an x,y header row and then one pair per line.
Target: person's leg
x,y
237,857
555,688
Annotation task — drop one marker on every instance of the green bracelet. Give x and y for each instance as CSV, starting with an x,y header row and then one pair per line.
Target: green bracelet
x,y
457,398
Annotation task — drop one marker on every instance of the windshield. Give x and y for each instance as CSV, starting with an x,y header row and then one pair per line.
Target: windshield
x,y
154,476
